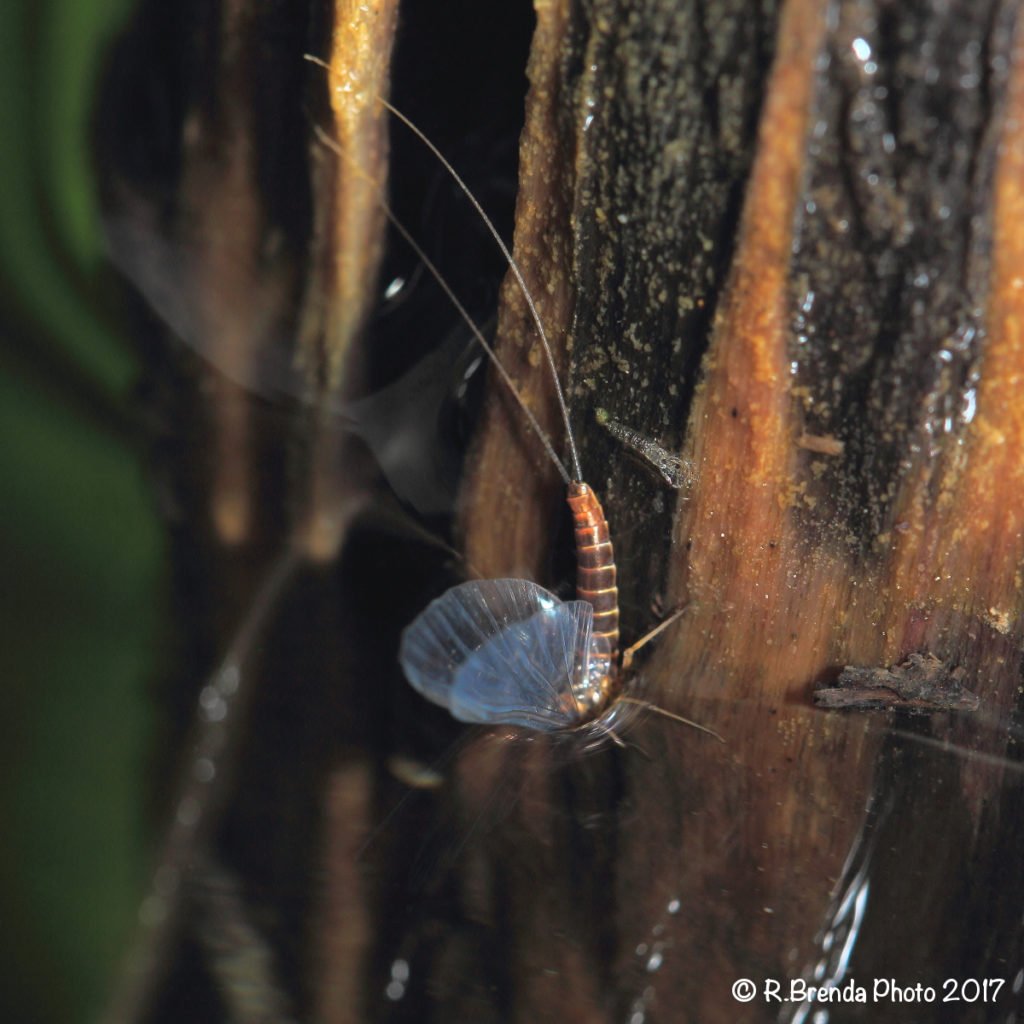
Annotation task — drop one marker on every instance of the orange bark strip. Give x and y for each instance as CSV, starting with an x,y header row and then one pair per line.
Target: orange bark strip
x,y
219,188
510,470
360,65
765,613
348,249
738,524
345,926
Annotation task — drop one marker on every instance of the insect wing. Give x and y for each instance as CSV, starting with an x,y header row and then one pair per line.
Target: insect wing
x,y
165,273
525,675
500,652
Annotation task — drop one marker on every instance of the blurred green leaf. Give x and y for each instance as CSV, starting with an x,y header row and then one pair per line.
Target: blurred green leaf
x,y
80,544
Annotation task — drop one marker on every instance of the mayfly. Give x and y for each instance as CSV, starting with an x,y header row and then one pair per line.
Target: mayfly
x,y
507,651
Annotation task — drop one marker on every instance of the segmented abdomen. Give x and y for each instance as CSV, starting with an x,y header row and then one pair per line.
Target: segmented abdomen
x,y
596,582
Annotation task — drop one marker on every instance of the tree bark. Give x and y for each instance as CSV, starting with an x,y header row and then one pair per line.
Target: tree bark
x,y
777,249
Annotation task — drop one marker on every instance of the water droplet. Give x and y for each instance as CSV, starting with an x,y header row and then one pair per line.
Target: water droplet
x,y
861,49
214,710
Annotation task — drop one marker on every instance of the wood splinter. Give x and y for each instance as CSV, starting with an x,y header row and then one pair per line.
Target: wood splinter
x,y
921,684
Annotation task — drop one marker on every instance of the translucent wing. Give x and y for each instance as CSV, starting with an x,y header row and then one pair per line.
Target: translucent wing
x,y
403,423
501,651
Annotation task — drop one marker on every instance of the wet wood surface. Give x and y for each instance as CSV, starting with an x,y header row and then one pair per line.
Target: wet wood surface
x,y
781,243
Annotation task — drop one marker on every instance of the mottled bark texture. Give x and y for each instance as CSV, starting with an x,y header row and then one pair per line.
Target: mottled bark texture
x,y
780,243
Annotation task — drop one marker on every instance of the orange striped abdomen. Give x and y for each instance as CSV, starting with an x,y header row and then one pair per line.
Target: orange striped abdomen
x,y
596,583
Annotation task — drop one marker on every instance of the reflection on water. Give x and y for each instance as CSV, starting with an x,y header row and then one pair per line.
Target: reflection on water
x,y
640,884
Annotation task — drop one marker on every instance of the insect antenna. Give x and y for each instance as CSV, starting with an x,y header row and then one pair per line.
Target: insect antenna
x,y
513,266
516,273
330,144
